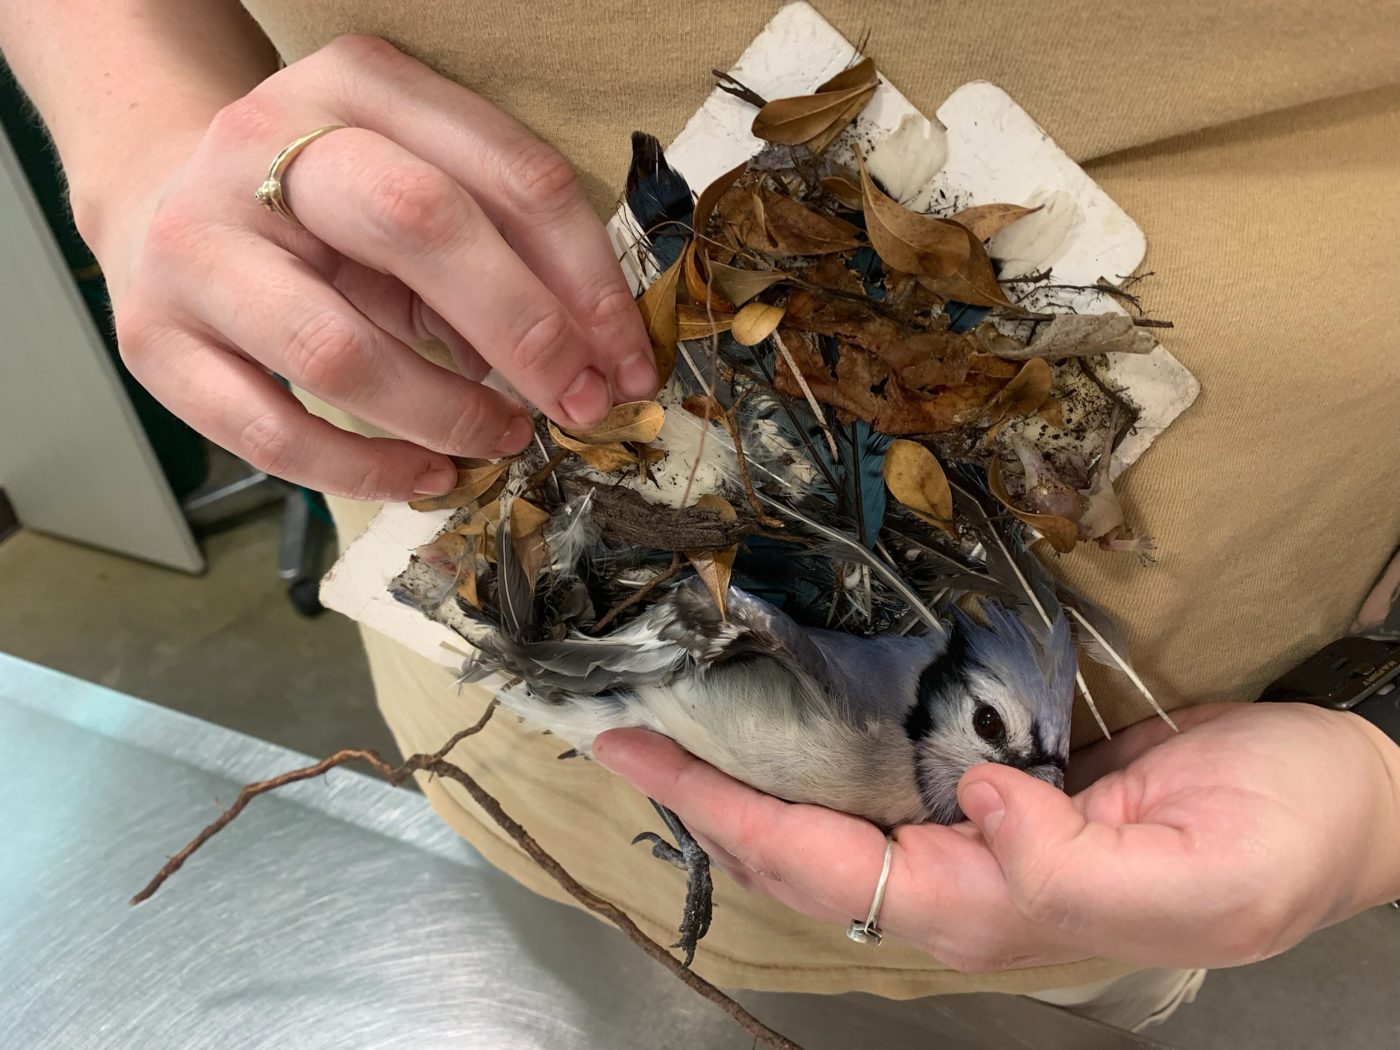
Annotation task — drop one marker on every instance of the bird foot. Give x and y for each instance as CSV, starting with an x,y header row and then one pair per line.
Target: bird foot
x,y
687,855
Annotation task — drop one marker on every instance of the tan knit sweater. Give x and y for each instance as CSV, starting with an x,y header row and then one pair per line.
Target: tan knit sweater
x,y
1257,144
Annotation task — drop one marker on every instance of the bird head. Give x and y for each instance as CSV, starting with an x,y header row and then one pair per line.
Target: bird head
x,y
995,694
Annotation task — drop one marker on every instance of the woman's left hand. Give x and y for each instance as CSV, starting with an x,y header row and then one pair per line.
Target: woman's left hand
x,y
1226,844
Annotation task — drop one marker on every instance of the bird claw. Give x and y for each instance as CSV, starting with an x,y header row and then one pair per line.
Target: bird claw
x,y
689,857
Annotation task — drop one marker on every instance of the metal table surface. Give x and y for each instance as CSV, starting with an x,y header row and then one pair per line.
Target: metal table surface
x,y
336,913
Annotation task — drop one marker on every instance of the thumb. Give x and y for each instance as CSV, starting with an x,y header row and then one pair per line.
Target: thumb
x,y
1035,832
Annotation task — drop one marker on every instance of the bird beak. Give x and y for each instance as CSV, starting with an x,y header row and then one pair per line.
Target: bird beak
x,y
1050,772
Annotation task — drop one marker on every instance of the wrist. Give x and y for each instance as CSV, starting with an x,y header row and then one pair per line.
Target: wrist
x,y
113,194
1378,876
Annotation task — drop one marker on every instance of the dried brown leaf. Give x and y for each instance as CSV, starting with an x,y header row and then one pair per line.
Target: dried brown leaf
x,y
1060,533
755,323
526,519
773,224
632,421
480,529
986,220
915,478
607,458
1023,395
1053,412
704,406
695,322
1083,335
443,554
716,566
468,574
974,281
658,307
710,196
863,387
904,411
990,365
909,241
920,359
844,190
473,481
737,285
816,120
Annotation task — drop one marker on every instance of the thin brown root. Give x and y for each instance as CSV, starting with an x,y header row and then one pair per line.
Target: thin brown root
x,y
437,765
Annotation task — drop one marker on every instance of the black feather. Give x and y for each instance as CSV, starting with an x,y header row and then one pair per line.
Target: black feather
x,y
660,200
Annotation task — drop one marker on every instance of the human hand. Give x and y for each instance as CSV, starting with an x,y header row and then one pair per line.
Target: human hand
x,y
432,215
1226,844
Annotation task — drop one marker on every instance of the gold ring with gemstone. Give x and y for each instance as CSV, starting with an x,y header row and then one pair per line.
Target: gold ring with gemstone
x,y
269,194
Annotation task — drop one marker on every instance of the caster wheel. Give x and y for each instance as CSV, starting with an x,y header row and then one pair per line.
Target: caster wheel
x,y
304,597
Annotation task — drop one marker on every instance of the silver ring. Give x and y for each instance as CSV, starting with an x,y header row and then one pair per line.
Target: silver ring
x,y
868,932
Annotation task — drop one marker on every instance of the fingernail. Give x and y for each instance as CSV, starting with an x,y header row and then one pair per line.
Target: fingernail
x,y
587,400
514,438
983,806
636,376
436,481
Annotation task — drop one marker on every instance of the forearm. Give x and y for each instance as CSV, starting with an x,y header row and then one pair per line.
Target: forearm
x,y
126,87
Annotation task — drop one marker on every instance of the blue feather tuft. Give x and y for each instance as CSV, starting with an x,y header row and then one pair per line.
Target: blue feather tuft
x,y
861,475
963,317
660,200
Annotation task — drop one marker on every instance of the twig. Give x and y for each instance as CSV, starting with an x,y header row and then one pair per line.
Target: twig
x,y
252,791
437,765
728,84
551,465
637,595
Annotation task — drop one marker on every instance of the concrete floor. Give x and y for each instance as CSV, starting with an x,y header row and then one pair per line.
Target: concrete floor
x,y
228,647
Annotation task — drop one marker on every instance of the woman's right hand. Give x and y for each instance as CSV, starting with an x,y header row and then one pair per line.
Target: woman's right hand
x,y
433,214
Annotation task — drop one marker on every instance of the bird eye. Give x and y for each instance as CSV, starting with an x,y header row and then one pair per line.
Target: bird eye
x,y
988,723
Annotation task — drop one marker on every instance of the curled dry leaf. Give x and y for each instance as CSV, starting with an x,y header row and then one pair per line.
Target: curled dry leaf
x,y
909,241
696,322
1082,335
755,323
704,406
527,523
816,120
480,529
698,285
467,585
473,481
715,567
985,220
1060,533
608,458
974,281
710,197
443,554
844,190
738,286
658,307
632,421
1023,395
915,478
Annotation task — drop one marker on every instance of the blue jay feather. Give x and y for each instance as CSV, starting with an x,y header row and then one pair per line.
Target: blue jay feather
x,y
659,199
